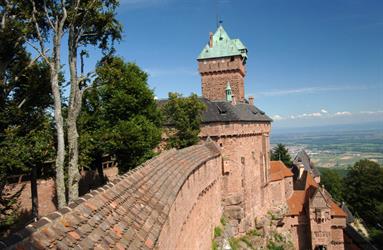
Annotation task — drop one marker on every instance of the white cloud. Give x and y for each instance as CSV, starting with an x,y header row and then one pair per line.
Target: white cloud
x,y
308,90
315,114
372,112
343,113
277,117
324,111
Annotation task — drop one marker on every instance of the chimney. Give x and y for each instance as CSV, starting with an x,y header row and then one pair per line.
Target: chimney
x,y
301,168
233,100
251,100
211,39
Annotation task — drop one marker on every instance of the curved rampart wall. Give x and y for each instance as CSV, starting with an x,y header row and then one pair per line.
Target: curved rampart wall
x,y
196,210
167,202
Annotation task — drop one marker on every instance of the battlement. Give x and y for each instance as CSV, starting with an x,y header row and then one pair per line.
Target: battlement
x,y
220,65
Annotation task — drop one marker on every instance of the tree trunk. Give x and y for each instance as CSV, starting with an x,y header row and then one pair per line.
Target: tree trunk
x,y
60,157
100,169
73,112
35,198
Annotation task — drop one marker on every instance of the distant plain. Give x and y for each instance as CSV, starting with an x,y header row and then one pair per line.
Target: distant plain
x,y
334,147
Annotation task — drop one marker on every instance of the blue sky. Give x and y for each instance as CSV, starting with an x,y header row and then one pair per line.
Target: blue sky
x,y
310,62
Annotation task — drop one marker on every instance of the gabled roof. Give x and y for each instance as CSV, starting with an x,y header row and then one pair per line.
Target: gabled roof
x,y
223,46
307,188
304,158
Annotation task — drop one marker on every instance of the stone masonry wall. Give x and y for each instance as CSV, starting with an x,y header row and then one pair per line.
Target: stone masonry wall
x,y
215,73
196,210
46,190
244,148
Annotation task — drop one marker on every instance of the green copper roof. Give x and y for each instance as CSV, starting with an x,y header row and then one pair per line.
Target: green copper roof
x,y
223,46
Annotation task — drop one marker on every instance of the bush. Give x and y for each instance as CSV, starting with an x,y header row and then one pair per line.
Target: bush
x,y
217,232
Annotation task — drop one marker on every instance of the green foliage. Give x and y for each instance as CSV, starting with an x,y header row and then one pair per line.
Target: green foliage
x,y
214,245
234,243
217,231
247,240
223,220
185,115
272,215
363,191
94,22
333,183
25,126
119,117
271,245
253,232
280,153
376,236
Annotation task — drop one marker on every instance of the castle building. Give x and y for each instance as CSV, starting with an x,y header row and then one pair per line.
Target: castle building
x,y
252,184
176,199
237,126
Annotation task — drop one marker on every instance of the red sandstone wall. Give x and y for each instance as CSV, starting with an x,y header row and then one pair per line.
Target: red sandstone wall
x,y
277,192
196,210
244,148
46,194
215,73
288,187
46,190
299,229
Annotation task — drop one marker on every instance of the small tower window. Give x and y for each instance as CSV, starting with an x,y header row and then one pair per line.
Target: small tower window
x,y
232,59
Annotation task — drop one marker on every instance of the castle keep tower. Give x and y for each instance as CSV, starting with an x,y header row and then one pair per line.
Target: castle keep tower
x,y
220,63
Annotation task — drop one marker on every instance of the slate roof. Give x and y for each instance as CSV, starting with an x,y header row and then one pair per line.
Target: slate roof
x,y
223,46
358,239
278,171
350,216
223,111
304,158
127,213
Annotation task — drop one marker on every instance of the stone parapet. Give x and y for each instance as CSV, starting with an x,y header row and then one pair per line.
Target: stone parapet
x,y
237,129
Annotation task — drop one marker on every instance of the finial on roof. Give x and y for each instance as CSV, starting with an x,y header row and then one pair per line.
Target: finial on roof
x,y
211,39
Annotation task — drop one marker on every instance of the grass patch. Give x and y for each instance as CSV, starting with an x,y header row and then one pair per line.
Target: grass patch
x,y
234,243
273,246
217,232
223,221
253,232
214,245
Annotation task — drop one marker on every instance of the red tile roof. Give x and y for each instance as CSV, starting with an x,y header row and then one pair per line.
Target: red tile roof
x,y
130,211
278,171
299,198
